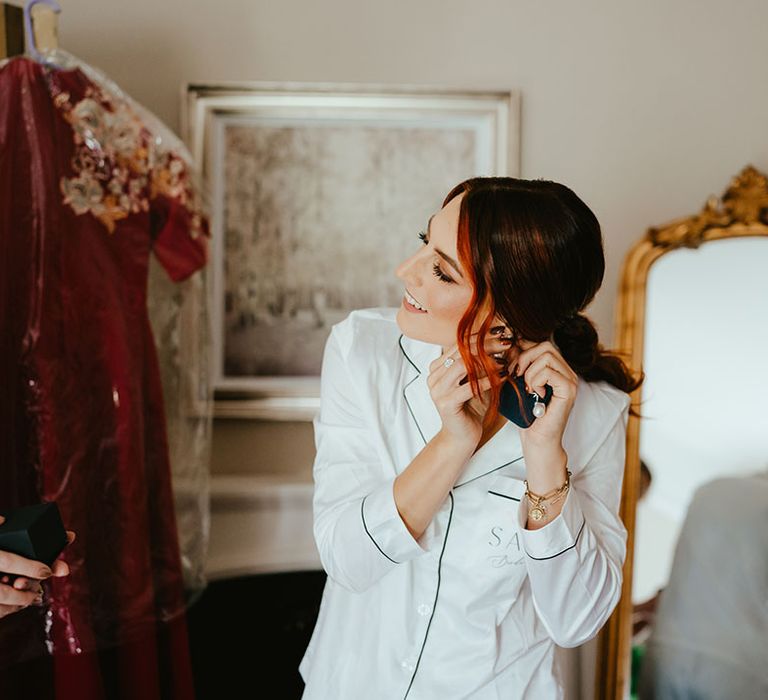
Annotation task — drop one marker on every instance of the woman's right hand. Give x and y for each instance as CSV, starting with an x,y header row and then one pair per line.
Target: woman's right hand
x,y
461,411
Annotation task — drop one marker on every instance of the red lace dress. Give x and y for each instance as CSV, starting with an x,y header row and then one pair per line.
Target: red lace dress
x,y
86,193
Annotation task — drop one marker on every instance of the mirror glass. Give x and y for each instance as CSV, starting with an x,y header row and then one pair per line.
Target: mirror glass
x,y
704,415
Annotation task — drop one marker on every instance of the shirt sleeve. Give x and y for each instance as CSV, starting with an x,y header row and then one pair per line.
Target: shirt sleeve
x,y
358,530
575,561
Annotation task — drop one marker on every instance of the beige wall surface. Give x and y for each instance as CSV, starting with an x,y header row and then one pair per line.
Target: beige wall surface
x,y
643,108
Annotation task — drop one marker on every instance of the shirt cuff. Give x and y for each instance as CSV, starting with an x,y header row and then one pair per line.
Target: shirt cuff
x,y
385,527
557,536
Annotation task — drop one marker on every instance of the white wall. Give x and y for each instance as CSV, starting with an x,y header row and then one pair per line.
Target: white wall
x,y
642,108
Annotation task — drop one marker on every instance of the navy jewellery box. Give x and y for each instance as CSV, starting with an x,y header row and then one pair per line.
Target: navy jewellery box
x,y
35,532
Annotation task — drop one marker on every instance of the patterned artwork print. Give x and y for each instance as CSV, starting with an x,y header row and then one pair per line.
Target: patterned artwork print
x,y
316,219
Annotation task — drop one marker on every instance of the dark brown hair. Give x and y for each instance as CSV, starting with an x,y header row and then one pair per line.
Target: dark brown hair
x,y
534,254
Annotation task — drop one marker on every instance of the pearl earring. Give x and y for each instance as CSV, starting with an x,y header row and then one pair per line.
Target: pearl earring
x,y
539,408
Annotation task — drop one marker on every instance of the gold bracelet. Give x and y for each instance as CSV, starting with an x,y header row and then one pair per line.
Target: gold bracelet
x,y
539,510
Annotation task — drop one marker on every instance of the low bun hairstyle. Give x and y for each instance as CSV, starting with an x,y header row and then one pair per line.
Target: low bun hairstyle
x,y
576,338
577,341
534,253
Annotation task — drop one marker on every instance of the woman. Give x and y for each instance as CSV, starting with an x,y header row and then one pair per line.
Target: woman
x,y
441,584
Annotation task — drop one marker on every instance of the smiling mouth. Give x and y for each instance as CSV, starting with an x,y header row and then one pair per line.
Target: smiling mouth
x,y
413,302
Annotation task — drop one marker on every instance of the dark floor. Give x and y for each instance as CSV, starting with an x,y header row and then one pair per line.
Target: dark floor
x,y
251,632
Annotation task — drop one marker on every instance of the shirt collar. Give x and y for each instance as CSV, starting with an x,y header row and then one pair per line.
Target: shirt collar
x,y
501,450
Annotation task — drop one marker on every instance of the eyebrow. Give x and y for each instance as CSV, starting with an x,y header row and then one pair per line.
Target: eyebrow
x,y
443,255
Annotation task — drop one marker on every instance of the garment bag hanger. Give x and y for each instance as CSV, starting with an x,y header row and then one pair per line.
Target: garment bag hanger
x,y
42,29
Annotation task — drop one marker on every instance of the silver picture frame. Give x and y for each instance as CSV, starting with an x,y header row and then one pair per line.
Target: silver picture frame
x,y
316,191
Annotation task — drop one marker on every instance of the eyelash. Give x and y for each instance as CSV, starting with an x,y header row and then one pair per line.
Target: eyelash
x,y
435,267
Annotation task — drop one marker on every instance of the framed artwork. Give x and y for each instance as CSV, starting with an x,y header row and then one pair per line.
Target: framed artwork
x,y
318,192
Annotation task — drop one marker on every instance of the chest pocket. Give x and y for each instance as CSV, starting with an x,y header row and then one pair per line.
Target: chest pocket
x,y
503,548
491,541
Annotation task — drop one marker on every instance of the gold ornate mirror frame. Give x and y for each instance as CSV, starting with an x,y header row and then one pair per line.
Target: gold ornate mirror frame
x,y
741,211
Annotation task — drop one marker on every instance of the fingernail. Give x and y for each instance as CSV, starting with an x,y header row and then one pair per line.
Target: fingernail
x,y
44,572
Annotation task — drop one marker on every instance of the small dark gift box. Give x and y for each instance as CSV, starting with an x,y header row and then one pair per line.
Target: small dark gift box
x,y
35,532
516,404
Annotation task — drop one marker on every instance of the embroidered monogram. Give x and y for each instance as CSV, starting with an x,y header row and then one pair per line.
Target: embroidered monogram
x,y
507,558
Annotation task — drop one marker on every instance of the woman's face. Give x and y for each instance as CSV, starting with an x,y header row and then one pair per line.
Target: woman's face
x,y
435,279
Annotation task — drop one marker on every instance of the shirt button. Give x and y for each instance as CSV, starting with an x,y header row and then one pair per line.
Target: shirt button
x,y
408,664
424,609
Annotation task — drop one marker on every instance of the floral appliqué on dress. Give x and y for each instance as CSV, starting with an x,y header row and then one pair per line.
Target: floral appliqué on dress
x,y
119,165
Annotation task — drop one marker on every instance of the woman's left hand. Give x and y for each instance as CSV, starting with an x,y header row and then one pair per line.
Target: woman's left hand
x,y
546,461
542,363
